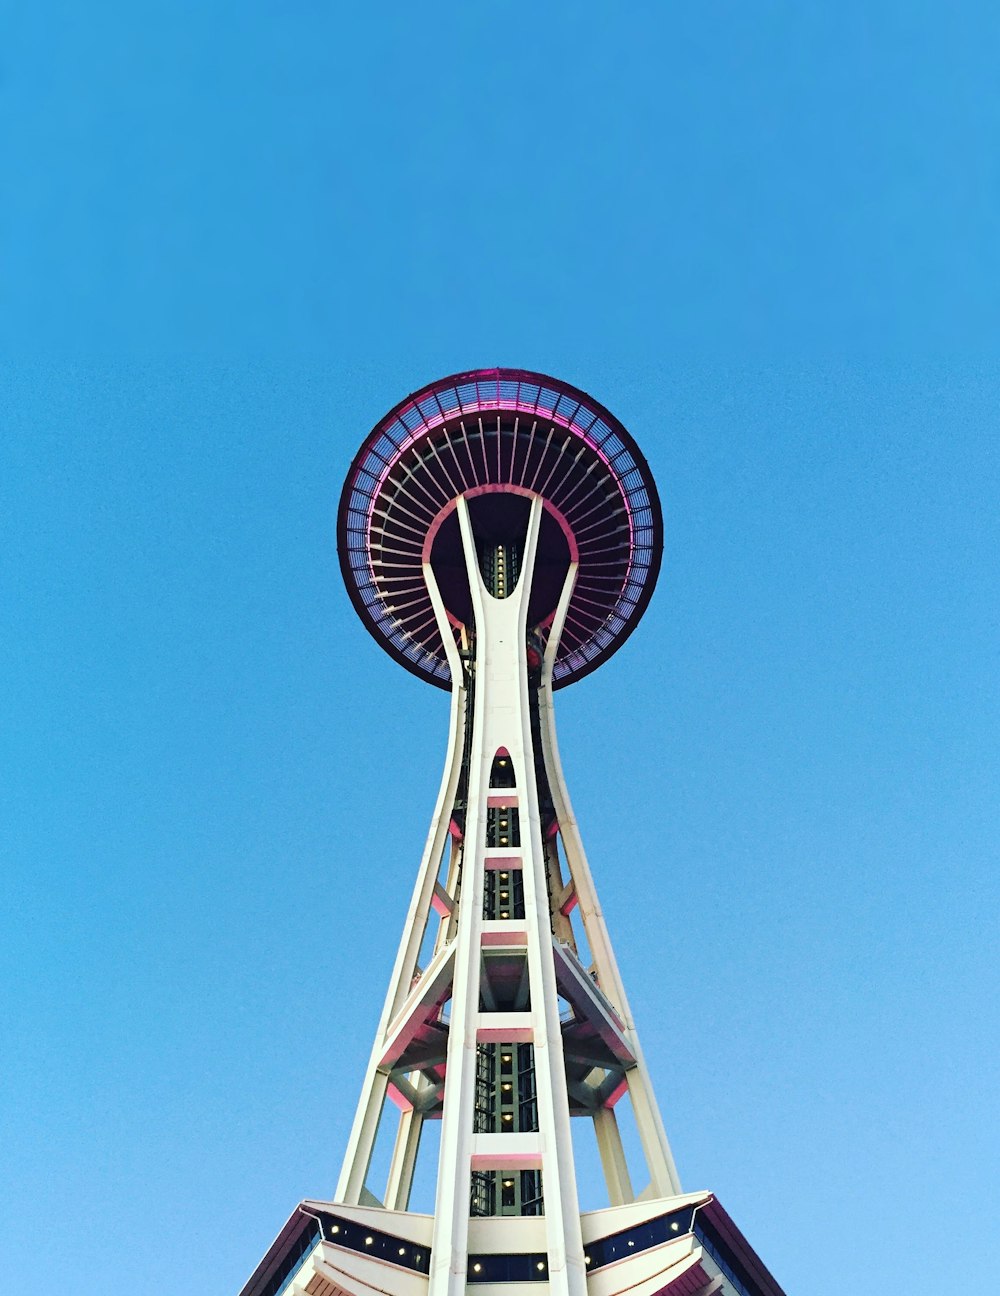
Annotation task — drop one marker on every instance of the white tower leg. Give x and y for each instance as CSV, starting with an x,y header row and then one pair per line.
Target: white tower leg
x,y
351,1184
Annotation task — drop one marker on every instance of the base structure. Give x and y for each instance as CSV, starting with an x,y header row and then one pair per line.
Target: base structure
x,y
506,1018
684,1245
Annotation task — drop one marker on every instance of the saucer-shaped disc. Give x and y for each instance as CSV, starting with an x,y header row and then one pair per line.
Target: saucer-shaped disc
x,y
497,431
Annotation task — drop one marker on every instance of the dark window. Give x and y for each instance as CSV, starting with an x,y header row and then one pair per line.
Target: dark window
x,y
506,1192
502,773
503,894
508,1268
532,1202
502,826
500,565
369,1241
505,1094
483,1196
641,1238
527,1102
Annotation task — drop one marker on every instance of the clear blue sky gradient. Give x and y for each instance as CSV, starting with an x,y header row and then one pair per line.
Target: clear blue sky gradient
x,y
233,235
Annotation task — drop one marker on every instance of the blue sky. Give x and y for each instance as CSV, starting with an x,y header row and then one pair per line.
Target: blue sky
x,y
233,235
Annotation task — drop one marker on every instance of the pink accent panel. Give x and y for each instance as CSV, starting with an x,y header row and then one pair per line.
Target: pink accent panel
x,y
505,1034
455,831
428,425
552,829
402,1103
501,800
439,906
519,490
511,935
691,1282
741,1248
495,488
503,862
617,1093
567,908
506,1161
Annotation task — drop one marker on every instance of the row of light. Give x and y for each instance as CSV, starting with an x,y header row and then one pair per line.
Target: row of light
x,y
504,895
674,1228
370,1241
478,1268
507,1183
502,763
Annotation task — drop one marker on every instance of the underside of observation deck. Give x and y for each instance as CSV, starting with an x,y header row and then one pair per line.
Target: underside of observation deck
x,y
498,437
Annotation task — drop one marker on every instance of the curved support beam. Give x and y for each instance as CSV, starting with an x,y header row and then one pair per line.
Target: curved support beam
x,y
653,1135
357,1159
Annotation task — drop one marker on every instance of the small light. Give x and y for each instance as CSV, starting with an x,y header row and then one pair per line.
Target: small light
x,y
477,1268
503,877
507,1086
505,915
506,1057
675,1227
587,1259
503,841
540,1265
402,1250
508,1183
335,1228
631,1244
369,1241
507,1116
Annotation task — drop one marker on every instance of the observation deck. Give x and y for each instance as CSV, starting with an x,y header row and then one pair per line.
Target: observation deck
x,y
499,437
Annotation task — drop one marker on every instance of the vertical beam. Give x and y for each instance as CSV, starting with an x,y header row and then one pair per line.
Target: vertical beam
x,y
404,1160
561,926
450,1243
446,929
567,1272
609,1144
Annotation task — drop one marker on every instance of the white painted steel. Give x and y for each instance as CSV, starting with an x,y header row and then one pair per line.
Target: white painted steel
x,y
365,1127
664,1181
501,717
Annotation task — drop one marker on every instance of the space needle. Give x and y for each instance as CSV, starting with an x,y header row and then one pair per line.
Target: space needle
x,y
500,536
